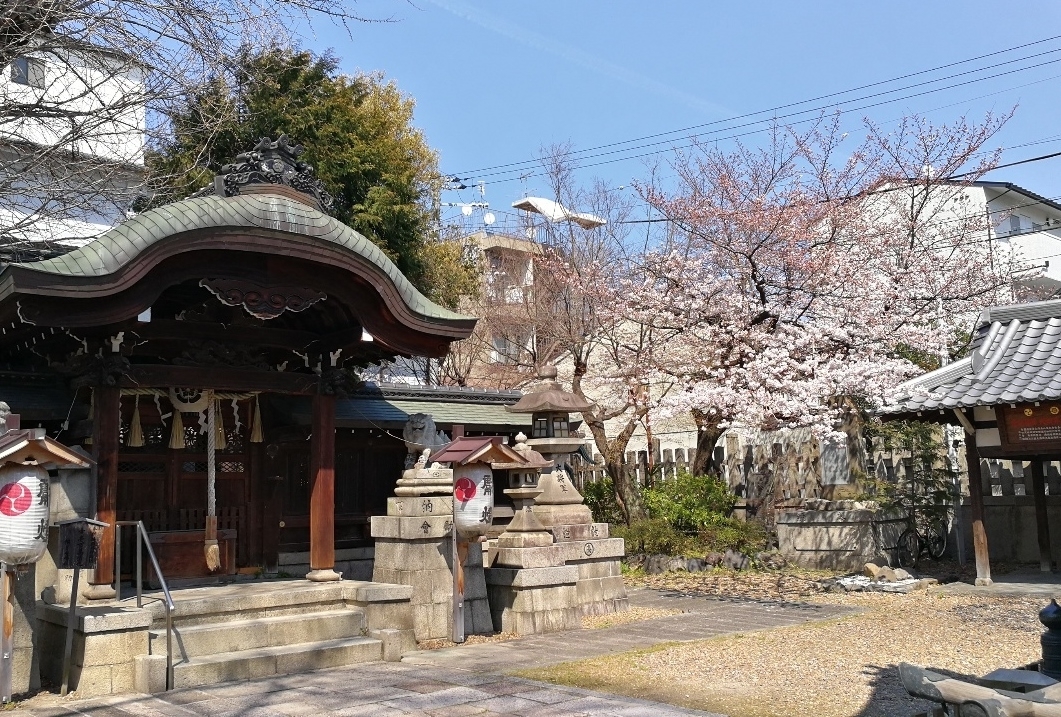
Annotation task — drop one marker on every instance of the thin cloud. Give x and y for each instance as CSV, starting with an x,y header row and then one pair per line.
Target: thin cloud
x,y
590,62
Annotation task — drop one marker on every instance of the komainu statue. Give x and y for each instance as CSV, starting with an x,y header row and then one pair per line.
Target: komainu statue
x,y
419,435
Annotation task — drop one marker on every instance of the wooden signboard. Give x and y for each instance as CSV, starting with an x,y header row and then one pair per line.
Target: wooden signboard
x,y
1030,430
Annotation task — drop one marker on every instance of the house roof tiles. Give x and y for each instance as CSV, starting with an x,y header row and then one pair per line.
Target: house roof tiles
x,y
1015,358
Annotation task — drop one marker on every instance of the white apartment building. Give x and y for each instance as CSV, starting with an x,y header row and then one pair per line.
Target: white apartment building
x,y
73,123
1024,221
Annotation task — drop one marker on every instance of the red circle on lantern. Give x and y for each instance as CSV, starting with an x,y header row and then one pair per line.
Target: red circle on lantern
x,y
464,490
15,499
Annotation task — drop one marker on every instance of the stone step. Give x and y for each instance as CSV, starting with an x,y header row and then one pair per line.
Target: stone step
x,y
192,641
234,602
265,661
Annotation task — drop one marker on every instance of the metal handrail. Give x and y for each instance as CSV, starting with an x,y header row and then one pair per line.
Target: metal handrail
x,y
167,603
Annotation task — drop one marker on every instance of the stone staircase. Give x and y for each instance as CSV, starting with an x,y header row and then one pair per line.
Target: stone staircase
x,y
235,633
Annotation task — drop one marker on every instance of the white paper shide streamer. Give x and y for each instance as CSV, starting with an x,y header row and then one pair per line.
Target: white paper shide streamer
x,y
24,493
473,498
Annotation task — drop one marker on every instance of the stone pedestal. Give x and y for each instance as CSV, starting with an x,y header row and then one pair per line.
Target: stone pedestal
x,y
597,558
531,590
560,503
414,547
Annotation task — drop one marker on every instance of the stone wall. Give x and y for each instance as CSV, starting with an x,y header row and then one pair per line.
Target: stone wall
x,y
107,641
838,539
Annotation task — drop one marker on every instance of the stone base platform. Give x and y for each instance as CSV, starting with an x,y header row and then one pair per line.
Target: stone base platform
x,y
534,600
414,548
598,558
228,632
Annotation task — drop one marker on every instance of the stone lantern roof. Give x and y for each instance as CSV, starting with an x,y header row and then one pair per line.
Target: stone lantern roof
x,y
549,397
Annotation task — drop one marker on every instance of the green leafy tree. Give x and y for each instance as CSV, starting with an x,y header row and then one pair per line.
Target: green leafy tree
x,y
358,134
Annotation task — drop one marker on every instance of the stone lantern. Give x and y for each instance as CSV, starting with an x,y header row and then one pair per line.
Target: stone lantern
x,y
550,407
559,509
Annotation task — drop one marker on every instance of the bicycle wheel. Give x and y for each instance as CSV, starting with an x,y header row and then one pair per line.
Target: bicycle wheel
x,y
908,549
935,537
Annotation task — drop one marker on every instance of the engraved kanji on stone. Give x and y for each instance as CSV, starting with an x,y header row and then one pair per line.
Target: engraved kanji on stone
x,y
426,527
594,530
589,549
428,507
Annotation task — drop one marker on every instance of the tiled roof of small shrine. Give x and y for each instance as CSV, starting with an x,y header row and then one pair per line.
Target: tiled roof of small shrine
x,y
120,245
1015,358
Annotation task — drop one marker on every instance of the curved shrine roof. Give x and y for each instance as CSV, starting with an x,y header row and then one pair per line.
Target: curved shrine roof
x,y
121,245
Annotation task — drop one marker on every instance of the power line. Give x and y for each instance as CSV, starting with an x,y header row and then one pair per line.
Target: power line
x,y
1029,160
807,101
694,141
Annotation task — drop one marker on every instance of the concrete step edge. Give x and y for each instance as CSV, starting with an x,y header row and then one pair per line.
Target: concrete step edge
x,y
263,621
223,657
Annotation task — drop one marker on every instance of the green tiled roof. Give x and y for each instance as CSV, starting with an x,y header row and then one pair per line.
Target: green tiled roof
x,y
396,411
117,247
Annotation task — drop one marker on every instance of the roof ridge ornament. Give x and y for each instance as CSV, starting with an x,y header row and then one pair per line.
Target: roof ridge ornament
x,y
272,162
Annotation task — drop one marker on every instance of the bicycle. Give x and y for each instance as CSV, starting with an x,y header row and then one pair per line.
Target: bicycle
x,y
930,537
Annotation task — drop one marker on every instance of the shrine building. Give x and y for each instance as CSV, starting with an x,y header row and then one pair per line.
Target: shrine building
x,y
246,301
1006,395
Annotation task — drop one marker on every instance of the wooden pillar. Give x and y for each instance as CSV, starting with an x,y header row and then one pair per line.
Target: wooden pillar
x,y
976,501
105,437
1042,525
322,491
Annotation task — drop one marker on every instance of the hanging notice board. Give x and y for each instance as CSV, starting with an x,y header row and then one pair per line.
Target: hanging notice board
x,y
1028,430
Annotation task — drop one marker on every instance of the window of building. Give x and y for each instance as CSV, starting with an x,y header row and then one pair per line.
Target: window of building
x,y
1014,224
27,71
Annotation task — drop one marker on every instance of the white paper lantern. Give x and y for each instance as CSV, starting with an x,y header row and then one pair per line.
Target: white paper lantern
x,y
24,493
473,498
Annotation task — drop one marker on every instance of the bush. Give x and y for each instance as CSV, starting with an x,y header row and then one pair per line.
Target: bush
x,y
600,497
749,537
690,503
654,535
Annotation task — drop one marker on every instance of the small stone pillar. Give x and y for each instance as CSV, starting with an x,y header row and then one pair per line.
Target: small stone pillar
x,y
531,589
413,547
1050,617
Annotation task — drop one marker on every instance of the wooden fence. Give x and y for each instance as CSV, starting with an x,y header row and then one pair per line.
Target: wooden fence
x,y
646,469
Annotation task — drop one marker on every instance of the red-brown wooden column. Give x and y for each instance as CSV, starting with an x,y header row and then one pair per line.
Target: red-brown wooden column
x,y
105,437
976,503
322,491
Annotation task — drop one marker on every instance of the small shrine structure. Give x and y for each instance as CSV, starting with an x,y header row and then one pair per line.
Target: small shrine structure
x,y
1006,395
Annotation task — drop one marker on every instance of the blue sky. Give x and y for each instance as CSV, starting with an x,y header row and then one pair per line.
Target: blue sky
x,y
496,81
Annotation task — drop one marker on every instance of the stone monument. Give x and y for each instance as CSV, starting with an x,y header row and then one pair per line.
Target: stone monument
x,y
413,544
561,508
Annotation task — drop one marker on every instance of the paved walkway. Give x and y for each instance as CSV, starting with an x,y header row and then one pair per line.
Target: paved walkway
x,y
464,680
1023,583
703,618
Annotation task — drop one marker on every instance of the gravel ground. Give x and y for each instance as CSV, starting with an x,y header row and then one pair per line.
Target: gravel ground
x,y
838,668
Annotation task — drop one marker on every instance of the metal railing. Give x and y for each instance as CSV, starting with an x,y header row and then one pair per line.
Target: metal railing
x,y
142,541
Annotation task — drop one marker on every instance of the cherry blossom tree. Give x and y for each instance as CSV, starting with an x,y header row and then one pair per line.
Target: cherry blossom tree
x,y
804,276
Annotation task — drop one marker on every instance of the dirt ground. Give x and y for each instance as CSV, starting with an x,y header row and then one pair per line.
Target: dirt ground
x,y
838,668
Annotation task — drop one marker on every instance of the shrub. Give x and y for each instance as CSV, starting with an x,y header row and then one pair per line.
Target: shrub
x,y
654,535
690,503
749,537
600,497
